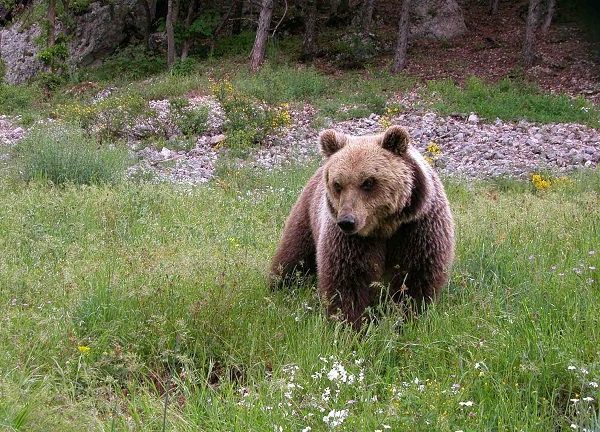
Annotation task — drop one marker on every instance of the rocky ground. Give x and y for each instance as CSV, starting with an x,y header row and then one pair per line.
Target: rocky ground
x,y
470,148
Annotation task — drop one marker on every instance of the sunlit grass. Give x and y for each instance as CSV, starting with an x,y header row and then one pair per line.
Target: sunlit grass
x,y
112,294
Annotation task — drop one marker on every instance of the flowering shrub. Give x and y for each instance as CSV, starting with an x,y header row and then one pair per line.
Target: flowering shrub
x,y
248,122
107,118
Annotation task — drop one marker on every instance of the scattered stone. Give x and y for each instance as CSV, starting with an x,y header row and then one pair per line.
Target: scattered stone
x,y
10,134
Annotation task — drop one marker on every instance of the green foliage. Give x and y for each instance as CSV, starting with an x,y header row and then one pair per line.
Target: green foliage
x,y
15,99
234,45
78,7
183,67
54,58
510,100
51,81
107,119
62,154
205,24
353,51
277,84
112,294
358,95
248,121
130,63
190,120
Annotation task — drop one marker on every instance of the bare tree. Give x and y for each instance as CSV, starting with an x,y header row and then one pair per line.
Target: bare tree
x,y
402,44
257,57
367,15
494,6
529,43
549,15
172,11
309,47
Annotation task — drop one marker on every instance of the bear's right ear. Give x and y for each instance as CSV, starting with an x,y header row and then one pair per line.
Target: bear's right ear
x,y
331,141
395,139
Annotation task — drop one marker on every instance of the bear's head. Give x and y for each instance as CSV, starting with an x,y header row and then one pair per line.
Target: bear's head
x,y
369,180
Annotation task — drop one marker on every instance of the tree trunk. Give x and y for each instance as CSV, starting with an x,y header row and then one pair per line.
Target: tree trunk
x,y
367,16
494,6
51,22
549,15
150,10
402,44
309,47
529,43
172,7
237,17
257,57
185,48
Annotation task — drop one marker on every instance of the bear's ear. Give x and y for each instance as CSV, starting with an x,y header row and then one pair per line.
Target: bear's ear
x,y
395,139
331,141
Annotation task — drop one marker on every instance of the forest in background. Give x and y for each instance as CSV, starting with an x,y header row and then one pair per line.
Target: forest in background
x,y
342,34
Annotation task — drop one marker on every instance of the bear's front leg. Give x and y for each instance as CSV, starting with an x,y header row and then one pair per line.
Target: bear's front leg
x,y
347,267
296,249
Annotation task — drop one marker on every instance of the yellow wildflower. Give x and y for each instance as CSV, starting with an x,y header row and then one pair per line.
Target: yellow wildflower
x,y
540,182
84,349
433,149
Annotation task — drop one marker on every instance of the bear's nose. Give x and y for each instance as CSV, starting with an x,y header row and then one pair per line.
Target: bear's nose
x,y
347,223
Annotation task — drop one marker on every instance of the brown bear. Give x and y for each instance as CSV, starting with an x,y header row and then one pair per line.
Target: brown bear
x,y
375,214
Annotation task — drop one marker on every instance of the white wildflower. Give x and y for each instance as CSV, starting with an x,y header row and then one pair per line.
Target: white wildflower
x,y
593,384
571,367
588,399
335,417
306,429
467,403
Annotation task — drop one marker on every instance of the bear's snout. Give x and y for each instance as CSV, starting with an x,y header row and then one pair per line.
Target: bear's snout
x,y
347,223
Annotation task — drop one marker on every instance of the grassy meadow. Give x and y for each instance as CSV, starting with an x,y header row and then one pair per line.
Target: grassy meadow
x,y
130,306
146,307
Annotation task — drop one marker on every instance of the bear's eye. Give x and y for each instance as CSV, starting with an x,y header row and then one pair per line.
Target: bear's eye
x,y
368,184
337,187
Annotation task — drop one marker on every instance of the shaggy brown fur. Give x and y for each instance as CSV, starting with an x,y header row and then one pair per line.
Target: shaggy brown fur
x,y
375,212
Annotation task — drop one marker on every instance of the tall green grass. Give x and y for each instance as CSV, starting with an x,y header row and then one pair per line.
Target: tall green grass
x,y
510,100
65,154
111,295
276,84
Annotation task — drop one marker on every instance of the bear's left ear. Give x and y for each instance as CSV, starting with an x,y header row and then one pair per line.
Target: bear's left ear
x,y
331,141
395,139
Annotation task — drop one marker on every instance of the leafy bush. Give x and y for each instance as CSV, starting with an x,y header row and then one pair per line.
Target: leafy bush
x,y
107,119
190,120
63,154
282,84
248,122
